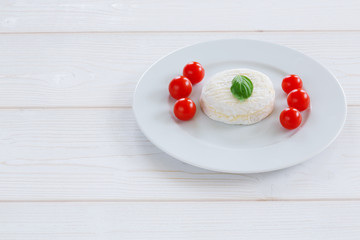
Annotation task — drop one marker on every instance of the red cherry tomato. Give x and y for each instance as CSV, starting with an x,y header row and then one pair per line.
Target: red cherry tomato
x,y
298,99
184,109
180,87
194,71
291,82
290,118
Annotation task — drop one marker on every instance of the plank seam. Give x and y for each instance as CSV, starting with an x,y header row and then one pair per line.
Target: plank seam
x,y
180,200
192,31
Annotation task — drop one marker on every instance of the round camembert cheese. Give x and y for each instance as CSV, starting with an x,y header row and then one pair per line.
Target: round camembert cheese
x,y
219,104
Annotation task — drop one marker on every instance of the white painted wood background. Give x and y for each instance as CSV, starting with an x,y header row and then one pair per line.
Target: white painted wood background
x,y
74,165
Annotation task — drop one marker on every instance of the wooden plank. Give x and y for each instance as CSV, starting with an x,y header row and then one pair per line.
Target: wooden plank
x,y
186,15
181,220
87,70
100,154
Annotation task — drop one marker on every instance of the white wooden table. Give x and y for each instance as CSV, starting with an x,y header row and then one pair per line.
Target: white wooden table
x,y
74,165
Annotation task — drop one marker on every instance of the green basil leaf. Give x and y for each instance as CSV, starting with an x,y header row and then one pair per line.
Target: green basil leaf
x,y
241,87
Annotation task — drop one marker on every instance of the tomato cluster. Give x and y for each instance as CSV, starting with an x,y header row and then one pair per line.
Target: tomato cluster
x,y
180,88
297,99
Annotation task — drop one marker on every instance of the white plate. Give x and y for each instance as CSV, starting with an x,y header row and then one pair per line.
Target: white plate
x,y
264,146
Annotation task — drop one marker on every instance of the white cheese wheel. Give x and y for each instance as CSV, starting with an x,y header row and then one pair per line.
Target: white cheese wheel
x,y
219,104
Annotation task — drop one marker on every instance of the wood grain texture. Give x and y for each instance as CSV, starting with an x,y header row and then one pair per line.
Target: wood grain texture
x,y
186,15
101,70
178,220
100,154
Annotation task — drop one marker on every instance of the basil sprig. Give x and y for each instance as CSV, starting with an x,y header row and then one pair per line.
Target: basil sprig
x,y
241,87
